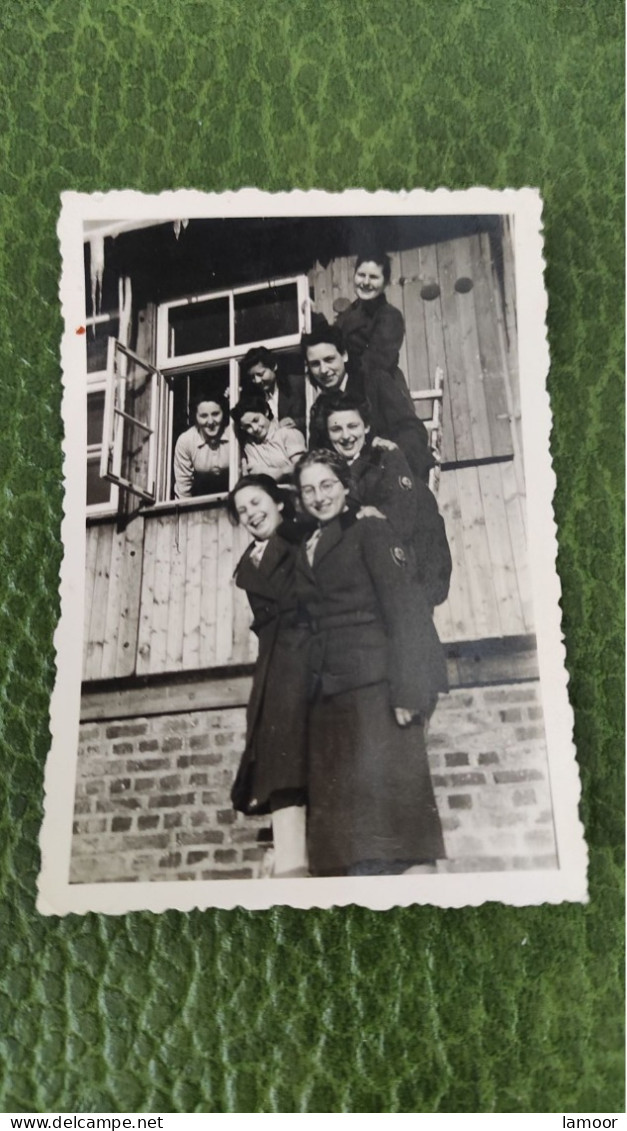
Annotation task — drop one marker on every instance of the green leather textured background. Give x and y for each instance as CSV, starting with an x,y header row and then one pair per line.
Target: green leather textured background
x,y
489,1009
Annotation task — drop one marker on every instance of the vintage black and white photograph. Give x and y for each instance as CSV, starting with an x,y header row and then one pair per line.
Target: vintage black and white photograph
x,y
310,648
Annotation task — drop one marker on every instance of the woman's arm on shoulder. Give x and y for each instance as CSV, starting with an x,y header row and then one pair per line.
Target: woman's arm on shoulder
x,y
386,339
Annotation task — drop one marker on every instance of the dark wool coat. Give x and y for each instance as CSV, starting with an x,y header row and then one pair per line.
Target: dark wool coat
x,y
292,399
373,648
383,479
392,416
373,333
274,755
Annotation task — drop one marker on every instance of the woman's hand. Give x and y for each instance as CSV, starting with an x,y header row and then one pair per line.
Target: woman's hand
x,y
370,512
403,716
386,445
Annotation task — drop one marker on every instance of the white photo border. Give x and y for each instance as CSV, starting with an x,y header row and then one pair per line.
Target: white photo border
x,y
566,883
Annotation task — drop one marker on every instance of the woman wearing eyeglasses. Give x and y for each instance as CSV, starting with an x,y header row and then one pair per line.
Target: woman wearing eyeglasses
x,y
376,667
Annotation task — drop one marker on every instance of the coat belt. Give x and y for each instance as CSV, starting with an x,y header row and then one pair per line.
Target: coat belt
x,y
340,620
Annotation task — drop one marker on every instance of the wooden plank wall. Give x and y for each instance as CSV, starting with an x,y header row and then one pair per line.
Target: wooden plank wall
x,y
160,596
470,337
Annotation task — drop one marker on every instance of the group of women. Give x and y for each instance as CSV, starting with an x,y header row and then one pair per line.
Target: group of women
x,y
342,573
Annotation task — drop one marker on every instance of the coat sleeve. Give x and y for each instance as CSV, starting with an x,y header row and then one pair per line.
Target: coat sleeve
x,y
417,668
396,495
430,544
294,444
292,395
395,418
385,341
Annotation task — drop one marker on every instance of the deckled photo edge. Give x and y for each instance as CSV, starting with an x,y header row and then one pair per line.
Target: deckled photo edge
x,y
568,881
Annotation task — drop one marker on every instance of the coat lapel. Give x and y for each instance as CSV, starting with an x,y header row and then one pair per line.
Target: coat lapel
x,y
259,578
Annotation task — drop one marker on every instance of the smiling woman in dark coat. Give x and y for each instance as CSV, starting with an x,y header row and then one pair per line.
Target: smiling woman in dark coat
x,y
376,667
271,776
381,477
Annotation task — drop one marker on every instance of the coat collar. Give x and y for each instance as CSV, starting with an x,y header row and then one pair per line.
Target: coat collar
x,y
258,578
332,533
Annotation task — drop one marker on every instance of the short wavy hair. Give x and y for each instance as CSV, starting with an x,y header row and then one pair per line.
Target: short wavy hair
x,y
322,456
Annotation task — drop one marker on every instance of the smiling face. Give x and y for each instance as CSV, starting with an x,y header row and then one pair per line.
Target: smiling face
x,y
347,433
326,365
322,494
263,376
255,425
259,514
209,419
369,281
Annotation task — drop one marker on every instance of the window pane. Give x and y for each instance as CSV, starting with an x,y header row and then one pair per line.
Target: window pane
x,y
98,490
95,416
271,313
199,326
96,340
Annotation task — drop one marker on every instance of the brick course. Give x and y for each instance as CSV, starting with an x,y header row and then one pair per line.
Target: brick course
x,y
152,794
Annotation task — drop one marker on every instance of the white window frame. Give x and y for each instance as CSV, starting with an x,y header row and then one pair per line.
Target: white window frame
x,y
115,417
164,374
167,361
97,383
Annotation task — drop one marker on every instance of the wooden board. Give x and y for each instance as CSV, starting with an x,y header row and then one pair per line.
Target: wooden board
x,y
146,608
225,567
97,623
208,589
463,443
492,359
515,503
178,591
91,557
504,564
468,345
190,653
128,628
436,352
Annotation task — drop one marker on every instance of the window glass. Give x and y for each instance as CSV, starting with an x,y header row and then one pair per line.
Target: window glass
x,y
96,340
265,314
198,326
98,490
95,416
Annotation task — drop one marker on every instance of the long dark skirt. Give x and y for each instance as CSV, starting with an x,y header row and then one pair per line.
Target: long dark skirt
x,y
370,792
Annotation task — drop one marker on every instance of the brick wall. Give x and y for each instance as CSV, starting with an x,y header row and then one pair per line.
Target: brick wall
x,y
488,760
152,794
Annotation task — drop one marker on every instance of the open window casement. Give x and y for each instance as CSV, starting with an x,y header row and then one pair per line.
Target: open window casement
x,y
133,394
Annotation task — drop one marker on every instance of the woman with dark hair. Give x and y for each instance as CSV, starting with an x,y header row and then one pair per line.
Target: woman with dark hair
x,y
201,454
285,392
380,477
376,668
269,447
271,776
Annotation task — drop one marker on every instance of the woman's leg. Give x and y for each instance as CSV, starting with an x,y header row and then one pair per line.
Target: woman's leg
x,y
289,827
290,846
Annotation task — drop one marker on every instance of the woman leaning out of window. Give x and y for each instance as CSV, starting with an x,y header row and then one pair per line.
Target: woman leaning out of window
x,y
270,447
201,454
